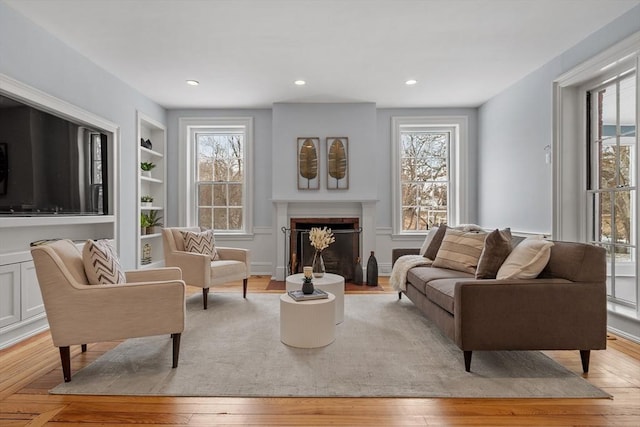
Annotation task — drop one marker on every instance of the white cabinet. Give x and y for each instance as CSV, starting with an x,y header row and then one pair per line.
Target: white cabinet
x,y
9,294
152,137
21,308
30,295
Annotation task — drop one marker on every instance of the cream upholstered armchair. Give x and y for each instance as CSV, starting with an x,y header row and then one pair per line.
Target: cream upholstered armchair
x,y
198,269
151,302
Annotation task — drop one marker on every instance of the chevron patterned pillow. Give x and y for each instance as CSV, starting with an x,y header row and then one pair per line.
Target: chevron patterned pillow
x,y
101,263
201,243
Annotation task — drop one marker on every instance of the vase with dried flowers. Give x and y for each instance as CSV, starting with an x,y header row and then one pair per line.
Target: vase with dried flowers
x,y
320,239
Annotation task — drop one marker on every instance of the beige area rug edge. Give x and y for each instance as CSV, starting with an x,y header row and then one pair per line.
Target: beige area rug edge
x,y
384,348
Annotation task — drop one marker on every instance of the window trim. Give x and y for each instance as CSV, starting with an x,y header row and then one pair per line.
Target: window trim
x,y
187,214
569,170
458,199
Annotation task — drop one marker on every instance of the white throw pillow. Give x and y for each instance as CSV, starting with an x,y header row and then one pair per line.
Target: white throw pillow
x,y
101,264
526,260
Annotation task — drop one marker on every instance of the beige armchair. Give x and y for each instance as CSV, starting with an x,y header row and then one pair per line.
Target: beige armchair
x,y
152,302
198,269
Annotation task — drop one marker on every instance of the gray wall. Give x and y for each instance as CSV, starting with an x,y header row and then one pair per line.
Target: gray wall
x,y
514,182
355,121
36,58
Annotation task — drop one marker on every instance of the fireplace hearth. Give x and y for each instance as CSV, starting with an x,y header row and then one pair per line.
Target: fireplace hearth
x,y
339,258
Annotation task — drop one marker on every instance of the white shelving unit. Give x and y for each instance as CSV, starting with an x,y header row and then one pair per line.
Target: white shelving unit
x,y
152,184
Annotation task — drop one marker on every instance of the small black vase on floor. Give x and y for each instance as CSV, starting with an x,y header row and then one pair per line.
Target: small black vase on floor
x,y
358,278
372,271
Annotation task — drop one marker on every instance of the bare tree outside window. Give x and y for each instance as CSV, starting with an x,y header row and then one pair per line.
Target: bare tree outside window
x,y
220,180
424,178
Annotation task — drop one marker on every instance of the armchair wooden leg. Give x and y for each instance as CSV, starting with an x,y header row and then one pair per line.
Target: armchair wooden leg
x,y
65,358
244,288
84,348
205,297
467,360
176,349
584,356
399,295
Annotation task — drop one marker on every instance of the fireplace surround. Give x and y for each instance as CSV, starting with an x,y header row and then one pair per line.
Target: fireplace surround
x,y
286,209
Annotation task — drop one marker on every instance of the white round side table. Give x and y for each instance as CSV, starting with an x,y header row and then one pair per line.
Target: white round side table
x,y
307,324
332,283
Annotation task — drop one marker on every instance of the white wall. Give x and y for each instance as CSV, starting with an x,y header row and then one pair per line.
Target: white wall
x,y
36,58
514,182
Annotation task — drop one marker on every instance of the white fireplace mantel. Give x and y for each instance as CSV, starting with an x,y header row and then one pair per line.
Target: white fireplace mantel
x,y
286,209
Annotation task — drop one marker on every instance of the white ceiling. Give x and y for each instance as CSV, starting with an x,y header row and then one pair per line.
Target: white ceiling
x,y
247,53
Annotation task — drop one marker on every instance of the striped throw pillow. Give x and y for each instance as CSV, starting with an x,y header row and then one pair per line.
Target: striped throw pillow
x,y
101,264
460,250
201,243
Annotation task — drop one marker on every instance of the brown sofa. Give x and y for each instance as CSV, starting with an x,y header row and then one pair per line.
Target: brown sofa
x,y
564,308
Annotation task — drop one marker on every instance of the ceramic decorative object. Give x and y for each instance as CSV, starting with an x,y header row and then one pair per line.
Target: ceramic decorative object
x,y
372,270
358,275
307,284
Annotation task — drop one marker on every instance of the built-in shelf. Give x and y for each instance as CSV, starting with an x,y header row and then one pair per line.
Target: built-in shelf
x,y
40,221
151,184
150,236
149,179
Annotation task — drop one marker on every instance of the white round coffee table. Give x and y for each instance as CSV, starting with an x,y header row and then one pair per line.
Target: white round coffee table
x,y
307,324
329,283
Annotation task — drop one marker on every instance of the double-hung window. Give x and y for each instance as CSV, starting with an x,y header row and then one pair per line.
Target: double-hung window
x,y
427,182
613,178
218,177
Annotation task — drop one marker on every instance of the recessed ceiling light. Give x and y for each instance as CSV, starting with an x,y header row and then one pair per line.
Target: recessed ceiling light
x,y
193,82
300,83
410,82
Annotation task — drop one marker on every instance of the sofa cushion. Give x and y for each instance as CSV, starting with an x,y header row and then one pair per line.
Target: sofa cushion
x,y
497,246
460,250
420,276
427,240
433,241
526,260
441,292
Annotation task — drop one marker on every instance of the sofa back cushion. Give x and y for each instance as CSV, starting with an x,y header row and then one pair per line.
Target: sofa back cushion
x,y
578,262
460,250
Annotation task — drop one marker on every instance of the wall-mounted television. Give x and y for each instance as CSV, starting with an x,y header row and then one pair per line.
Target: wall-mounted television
x,y
50,165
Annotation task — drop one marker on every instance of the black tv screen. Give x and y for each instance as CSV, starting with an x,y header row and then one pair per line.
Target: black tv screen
x,y
50,165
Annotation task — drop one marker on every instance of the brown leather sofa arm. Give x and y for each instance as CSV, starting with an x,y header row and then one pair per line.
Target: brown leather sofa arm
x,y
397,253
536,314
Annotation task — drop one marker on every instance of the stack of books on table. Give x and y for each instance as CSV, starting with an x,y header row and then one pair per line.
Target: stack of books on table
x,y
299,296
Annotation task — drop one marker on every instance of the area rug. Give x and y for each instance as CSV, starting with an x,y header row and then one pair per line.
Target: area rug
x,y
384,348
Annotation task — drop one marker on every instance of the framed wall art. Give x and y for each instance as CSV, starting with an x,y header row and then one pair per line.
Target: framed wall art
x,y
308,163
337,163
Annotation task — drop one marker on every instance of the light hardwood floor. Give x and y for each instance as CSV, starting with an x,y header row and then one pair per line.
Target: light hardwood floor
x,y
29,369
